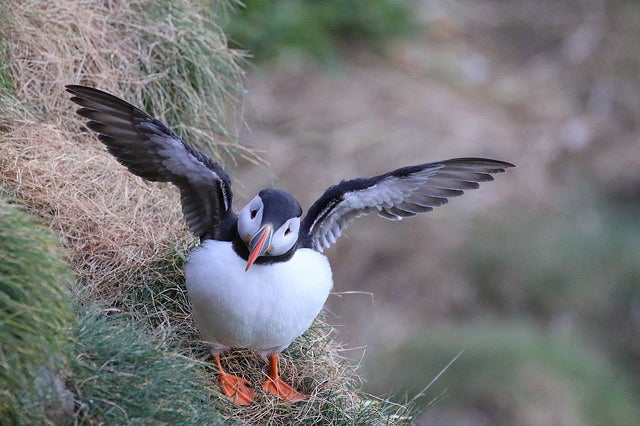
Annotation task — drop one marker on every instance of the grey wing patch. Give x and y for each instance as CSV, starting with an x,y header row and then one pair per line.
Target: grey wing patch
x,y
204,187
395,195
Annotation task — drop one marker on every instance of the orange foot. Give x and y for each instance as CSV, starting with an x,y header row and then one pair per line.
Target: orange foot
x,y
238,389
275,386
282,390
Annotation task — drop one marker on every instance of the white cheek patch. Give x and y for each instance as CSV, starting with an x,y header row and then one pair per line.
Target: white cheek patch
x,y
281,243
248,225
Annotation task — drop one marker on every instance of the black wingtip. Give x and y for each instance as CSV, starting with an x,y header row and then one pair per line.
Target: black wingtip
x,y
507,165
74,88
479,160
80,91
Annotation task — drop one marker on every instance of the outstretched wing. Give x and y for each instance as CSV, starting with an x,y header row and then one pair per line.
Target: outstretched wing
x,y
151,150
401,193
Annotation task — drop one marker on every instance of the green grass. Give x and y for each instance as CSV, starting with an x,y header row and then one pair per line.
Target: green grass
x,y
319,30
186,57
124,373
35,319
583,265
511,372
6,84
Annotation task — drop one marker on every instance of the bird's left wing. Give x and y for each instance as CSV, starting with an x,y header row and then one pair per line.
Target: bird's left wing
x,y
401,193
151,150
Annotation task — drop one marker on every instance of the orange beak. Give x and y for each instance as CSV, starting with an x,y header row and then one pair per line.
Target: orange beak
x,y
260,243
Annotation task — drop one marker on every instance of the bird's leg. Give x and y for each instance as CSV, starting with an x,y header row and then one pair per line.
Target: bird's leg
x,y
274,384
238,389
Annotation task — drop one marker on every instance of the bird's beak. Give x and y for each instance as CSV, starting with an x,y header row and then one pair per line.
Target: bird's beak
x,y
260,243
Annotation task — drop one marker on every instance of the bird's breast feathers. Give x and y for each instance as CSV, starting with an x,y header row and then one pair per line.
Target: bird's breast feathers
x,y
265,307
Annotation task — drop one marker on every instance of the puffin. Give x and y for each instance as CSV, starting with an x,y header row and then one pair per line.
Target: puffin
x,y
259,277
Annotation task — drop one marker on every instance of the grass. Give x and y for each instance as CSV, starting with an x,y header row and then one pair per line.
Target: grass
x,y
183,55
35,319
557,292
61,362
582,264
318,30
133,355
511,372
141,365
170,58
125,373
78,47
6,84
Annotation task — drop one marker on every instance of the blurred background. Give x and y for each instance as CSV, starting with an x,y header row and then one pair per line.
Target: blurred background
x,y
536,276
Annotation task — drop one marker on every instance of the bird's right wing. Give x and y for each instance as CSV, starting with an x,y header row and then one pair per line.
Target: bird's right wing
x,y
151,150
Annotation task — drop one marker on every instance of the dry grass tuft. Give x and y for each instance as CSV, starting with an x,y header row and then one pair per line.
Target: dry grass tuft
x,y
168,56
115,224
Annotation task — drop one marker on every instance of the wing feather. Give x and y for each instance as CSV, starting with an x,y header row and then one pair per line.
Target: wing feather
x,y
151,150
395,195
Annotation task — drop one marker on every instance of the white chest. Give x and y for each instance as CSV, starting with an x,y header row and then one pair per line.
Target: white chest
x,y
264,308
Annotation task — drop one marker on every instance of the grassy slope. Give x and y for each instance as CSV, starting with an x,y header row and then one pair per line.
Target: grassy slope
x,y
134,355
57,367
35,319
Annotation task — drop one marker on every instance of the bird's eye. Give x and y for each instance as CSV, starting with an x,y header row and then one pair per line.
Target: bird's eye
x,y
254,212
287,232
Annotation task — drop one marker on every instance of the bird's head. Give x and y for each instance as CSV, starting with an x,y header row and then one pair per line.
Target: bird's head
x,y
269,224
